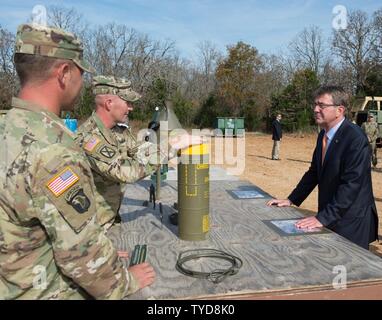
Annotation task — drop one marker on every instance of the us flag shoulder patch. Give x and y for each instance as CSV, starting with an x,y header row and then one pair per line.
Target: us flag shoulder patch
x,y
91,144
62,181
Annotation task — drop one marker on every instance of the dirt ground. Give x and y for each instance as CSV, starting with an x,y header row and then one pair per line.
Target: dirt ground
x,y
278,178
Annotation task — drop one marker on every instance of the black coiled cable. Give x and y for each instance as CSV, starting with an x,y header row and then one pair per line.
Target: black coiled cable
x,y
215,276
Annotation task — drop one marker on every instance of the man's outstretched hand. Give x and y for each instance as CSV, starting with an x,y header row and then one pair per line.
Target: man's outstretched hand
x,y
184,141
279,203
308,223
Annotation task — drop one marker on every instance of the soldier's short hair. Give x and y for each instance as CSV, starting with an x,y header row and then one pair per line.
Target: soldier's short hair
x,y
33,68
339,96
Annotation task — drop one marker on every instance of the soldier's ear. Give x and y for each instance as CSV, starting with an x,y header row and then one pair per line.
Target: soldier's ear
x,y
108,103
62,73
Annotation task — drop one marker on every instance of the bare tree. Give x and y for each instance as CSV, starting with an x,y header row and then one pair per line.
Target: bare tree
x,y
152,59
7,71
336,74
123,52
209,57
377,21
68,19
271,79
286,63
109,48
7,42
356,46
308,49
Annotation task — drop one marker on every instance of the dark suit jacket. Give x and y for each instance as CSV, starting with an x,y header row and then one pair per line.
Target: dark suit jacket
x,y
276,131
345,195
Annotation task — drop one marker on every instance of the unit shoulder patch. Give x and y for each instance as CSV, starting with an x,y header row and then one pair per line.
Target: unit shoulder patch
x,y
107,152
77,198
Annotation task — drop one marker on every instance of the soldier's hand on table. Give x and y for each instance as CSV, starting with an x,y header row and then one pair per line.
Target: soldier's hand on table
x,y
184,141
308,223
144,273
279,203
122,254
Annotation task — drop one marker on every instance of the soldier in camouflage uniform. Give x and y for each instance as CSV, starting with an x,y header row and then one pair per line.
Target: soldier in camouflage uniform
x,y
371,129
51,244
112,150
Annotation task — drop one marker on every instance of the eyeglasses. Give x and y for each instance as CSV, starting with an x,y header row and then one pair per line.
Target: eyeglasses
x,y
322,106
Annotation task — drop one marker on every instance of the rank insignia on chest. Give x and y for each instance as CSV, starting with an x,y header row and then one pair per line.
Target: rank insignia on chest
x,y
91,144
107,152
62,181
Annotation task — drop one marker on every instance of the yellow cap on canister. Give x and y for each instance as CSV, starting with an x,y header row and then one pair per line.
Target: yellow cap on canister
x,y
200,149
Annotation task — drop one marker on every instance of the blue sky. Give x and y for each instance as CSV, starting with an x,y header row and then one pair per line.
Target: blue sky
x,y
267,25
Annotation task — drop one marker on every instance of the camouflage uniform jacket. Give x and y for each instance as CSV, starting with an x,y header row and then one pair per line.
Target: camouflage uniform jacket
x,y
113,161
126,140
371,130
51,246
128,145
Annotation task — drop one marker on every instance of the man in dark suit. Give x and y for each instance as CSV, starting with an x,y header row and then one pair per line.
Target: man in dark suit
x,y
341,169
276,137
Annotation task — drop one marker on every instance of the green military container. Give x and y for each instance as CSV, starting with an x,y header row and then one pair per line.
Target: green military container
x,y
230,126
220,123
379,118
229,129
239,127
220,126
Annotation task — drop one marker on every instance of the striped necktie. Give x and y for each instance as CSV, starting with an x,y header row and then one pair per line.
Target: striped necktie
x,y
324,146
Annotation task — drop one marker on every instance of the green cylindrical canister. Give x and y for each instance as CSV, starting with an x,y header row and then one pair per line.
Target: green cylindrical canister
x,y
194,193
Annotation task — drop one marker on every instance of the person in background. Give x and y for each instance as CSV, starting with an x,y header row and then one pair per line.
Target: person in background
x,y
371,130
276,137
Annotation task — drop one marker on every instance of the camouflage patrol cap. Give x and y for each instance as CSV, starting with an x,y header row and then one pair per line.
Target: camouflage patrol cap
x,y
115,86
50,42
